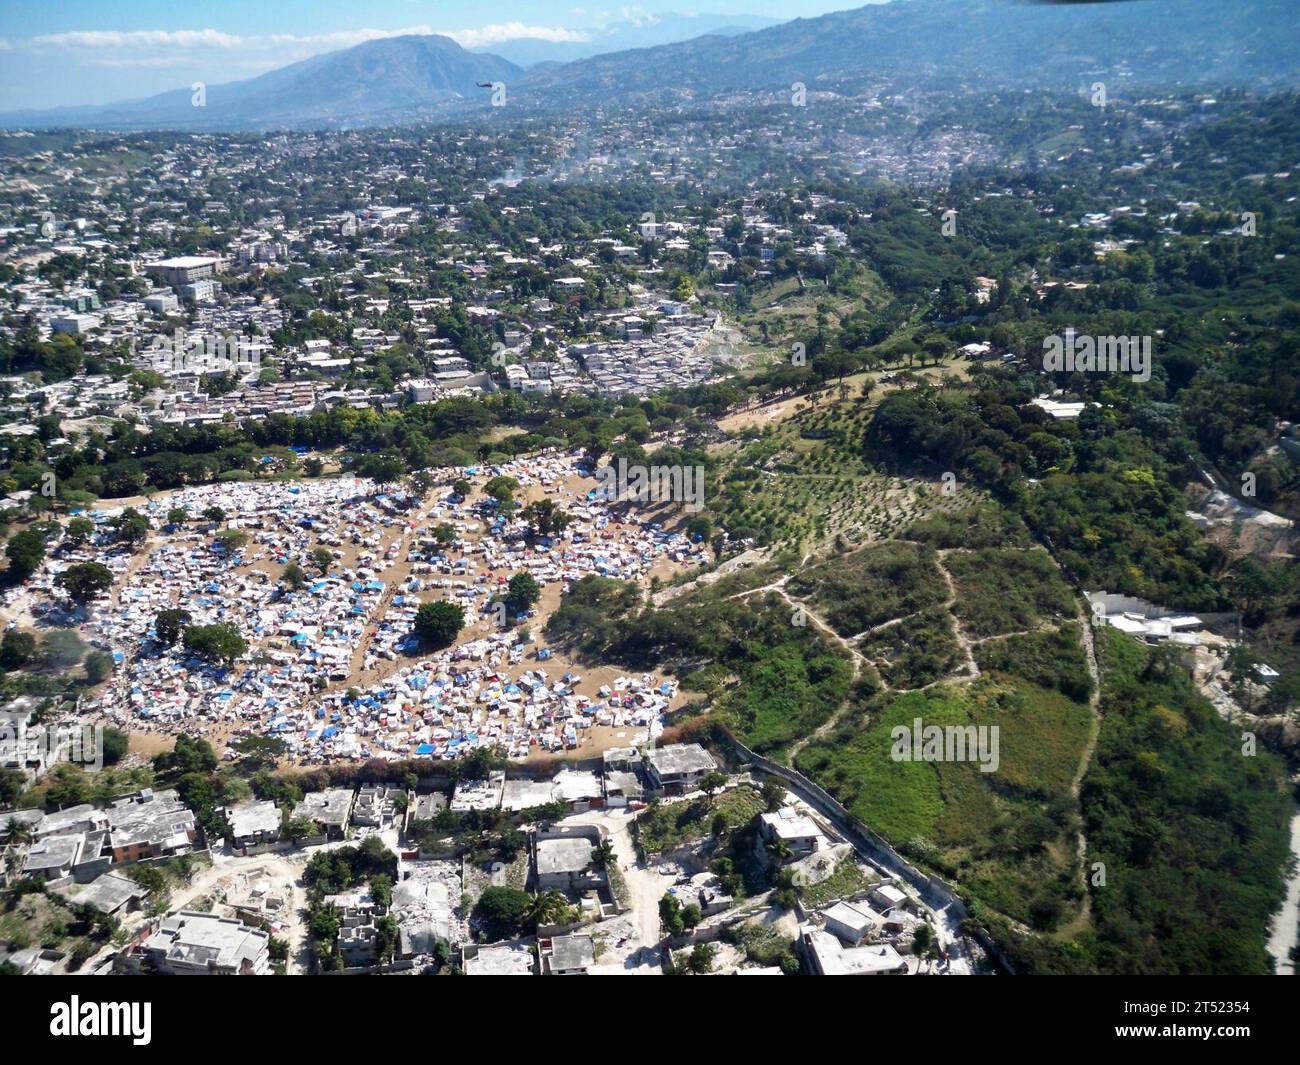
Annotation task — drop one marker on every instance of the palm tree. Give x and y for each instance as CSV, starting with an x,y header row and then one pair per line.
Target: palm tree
x,y
18,833
547,908
778,850
602,853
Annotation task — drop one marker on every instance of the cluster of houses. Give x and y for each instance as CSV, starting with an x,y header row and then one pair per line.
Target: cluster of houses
x,y
628,775
846,938
85,840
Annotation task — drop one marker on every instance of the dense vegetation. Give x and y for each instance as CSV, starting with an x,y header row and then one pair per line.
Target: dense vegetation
x,y
1190,831
770,680
1005,836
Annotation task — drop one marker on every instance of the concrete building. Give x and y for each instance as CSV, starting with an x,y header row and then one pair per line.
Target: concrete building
x,y
376,805
203,944
252,823
500,959
53,858
567,955
185,269
110,894
793,828
852,921
827,956
565,865
886,897
150,824
330,810
678,767
73,324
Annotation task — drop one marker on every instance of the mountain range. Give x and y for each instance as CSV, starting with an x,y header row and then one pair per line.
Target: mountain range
x,y
954,43
965,45
625,34
386,80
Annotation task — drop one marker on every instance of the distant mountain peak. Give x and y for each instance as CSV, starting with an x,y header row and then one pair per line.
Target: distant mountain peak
x,y
388,79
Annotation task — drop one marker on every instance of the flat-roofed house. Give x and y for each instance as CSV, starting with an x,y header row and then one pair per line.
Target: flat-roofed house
x,y
852,921
252,823
330,810
678,767
886,896
827,956
568,955
795,829
499,959
566,864
53,858
185,269
150,824
192,943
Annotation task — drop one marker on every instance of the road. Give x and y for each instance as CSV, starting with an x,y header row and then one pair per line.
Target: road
x,y
1285,926
637,949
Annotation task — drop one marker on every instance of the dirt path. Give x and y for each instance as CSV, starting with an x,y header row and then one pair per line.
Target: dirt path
x,y
284,870
639,950
963,641
1084,917
855,656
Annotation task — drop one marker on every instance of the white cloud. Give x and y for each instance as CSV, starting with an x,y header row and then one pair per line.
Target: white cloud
x,y
153,48
513,31
638,16
137,39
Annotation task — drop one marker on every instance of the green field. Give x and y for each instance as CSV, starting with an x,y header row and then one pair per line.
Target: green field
x,y
867,587
1006,835
1052,658
917,651
1002,591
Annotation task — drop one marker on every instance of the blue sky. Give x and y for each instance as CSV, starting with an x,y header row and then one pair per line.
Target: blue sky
x,y
98,51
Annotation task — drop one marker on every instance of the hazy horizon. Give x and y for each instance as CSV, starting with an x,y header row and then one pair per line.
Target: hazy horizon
x,y
83,54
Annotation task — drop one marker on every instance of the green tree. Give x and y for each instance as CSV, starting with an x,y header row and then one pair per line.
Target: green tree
x,y
232,539
712,783
115,745
670,916
78,531
502,489
83,582
169,623
189,755
602,854
131,526
522,592
545,517
550,907
502,912
439,623
773,795
99,667
701,958
26,552
217,643
17,649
